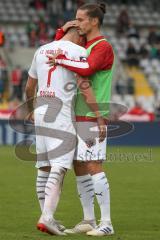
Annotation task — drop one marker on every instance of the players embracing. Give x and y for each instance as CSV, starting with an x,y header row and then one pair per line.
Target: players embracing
x,y
90,150
94,66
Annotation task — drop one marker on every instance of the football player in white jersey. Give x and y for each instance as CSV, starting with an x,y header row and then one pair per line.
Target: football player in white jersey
x,y
54,121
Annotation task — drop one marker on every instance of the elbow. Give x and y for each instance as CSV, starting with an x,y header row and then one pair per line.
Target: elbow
x,y
30,87
86,73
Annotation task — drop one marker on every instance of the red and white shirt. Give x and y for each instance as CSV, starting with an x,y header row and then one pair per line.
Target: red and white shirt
x,y
101,57
56,81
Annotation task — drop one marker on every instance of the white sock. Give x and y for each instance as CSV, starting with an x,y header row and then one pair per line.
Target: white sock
x,y
102,193
42,178
53,191
86,194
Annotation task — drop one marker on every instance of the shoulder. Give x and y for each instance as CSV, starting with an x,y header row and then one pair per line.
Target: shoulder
x,y
79,49
50,44
36,52
82,50
105,45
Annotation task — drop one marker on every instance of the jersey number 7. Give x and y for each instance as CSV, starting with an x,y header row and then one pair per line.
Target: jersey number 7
x,y
51,70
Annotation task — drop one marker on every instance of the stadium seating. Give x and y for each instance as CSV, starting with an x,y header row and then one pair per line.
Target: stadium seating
x,y
17,15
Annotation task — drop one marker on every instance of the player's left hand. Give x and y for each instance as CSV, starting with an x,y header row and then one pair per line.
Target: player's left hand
x,y
102,129
52,57
70,24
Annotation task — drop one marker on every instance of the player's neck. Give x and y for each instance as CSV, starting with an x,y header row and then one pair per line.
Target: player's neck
x,y
67,38
93,34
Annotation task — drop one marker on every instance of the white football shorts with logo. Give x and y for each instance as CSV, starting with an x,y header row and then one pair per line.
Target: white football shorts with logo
x,y
88,147
55,141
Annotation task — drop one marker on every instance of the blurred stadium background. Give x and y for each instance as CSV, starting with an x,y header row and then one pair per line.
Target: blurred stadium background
x,y
133,28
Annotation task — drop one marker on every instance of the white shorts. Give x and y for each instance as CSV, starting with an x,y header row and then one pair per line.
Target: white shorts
x,y
55,142
88,147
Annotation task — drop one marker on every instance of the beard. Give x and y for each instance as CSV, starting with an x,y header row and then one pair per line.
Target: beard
x,y
81,33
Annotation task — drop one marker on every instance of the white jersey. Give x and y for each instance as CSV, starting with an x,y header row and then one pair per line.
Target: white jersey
x,y
56,81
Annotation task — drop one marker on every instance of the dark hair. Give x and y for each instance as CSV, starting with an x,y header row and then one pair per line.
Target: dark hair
x,y
95,10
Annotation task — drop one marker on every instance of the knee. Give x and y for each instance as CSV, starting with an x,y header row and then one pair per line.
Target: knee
x,y
58,174
94,167
80,168
83,168
45,169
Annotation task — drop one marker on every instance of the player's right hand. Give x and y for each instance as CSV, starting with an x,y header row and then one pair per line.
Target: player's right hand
x,y
52,57
69,24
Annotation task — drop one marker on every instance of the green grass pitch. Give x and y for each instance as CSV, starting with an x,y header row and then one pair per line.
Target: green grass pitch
x,y
133,174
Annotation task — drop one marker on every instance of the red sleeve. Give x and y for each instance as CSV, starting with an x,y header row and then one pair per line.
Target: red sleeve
x,y
59,34
100,58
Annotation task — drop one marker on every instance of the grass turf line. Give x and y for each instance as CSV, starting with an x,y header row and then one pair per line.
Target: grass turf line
x,y
133,174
